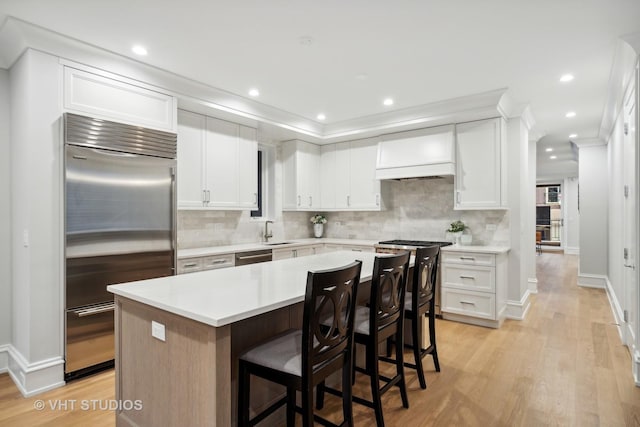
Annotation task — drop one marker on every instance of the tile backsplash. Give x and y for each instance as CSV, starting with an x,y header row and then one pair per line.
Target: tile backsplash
x,y
419,209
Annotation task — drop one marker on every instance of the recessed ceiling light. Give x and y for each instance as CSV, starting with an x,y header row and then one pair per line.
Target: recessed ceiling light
x,y
566,78
570,114
553,157
549,150
139,50
388,101
254,92
321,116
573,135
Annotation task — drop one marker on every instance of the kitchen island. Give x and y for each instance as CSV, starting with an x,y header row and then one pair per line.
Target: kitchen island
x,y
178,337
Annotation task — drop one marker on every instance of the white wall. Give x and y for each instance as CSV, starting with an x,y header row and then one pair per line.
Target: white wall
x,y
5,214
594,188
36,198
571,230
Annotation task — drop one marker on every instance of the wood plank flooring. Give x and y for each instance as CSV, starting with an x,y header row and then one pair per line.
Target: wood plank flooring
x,y
563,365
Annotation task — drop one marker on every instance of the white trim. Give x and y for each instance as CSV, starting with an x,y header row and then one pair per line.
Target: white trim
x,y
34,378
571,250
635,361
517,310
592,281
4,358
532,285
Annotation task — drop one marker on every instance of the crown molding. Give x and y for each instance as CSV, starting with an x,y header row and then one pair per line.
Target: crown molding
x,y
588,142
16,36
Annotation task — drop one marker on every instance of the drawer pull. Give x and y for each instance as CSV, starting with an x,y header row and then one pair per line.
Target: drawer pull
x,y
468,277
220,261
190,264
467,258
467,302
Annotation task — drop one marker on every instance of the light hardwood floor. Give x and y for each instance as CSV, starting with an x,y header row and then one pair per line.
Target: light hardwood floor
x,y
563,365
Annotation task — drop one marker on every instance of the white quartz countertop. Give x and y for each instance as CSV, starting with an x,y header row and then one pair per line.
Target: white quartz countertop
x,y
293,243
476,249
220,297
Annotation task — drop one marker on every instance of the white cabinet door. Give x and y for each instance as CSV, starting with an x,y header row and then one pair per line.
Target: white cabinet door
x,y
190,159
222,163
328,173
217,163
301,176
248,168
343,175
365,188
478,165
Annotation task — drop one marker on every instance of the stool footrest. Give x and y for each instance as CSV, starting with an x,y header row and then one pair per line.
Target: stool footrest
x,y
270,410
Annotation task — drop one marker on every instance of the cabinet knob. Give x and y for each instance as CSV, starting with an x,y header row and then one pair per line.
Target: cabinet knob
x,y
299,202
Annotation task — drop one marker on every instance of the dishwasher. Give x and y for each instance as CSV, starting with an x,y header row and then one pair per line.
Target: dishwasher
x,y
253,257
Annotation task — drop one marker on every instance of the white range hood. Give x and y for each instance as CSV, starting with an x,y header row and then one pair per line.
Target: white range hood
x,y
418,153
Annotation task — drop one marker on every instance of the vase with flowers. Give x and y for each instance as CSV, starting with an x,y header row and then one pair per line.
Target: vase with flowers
x,y
455,229
318,222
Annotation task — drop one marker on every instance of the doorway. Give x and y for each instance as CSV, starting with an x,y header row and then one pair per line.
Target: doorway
x,y
549,219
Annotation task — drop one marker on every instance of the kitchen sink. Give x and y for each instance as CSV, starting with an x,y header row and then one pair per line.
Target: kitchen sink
x,y
276,243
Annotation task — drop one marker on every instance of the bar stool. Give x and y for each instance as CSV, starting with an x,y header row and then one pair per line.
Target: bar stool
x,y
300,359
420,302
374,324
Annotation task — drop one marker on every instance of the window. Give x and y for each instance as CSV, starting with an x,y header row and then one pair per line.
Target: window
x,y
257,213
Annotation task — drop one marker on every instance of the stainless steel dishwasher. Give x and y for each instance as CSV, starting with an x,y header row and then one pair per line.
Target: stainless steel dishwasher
x,y
253,257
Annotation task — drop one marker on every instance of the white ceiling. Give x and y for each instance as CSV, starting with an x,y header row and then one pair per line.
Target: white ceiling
x,y
416,52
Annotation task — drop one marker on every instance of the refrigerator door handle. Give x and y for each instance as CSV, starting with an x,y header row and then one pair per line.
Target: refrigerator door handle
x,y
94,309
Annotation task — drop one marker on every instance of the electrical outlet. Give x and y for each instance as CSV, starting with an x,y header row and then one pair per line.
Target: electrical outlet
x,y
491,227
25,238
157,330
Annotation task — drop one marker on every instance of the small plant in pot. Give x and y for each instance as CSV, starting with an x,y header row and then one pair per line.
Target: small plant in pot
x,y
455,229
318,224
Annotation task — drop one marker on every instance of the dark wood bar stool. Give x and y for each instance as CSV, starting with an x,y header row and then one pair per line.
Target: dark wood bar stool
x,y
420,302
300,359
374,324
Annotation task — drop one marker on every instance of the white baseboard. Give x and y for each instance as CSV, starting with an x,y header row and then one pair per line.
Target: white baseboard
x,y
4,358
571,250
517,310
636,367
532,285
37,377
592,281
616,309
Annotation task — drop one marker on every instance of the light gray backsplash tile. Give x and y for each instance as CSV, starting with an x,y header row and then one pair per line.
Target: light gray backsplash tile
x,y
420,209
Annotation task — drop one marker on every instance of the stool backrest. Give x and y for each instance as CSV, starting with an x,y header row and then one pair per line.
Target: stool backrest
x,y
388,288
330,294
425,271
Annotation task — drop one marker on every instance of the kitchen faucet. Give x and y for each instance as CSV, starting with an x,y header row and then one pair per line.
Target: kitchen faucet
x,y
267,232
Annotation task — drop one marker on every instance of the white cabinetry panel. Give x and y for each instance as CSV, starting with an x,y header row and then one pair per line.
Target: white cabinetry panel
x,y
479,165
110,99
301,170
217,163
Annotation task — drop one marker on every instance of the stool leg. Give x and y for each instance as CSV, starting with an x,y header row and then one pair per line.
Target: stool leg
x,y
400,367
416,326
347,393
243,395
320,395
372,367
291,406
432,336
307,407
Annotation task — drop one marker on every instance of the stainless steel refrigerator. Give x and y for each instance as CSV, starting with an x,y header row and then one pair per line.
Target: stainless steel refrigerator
x,y
119,226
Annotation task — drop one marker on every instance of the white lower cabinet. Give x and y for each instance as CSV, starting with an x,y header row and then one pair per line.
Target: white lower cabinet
x,y
190,265
331,247
296,252
474,287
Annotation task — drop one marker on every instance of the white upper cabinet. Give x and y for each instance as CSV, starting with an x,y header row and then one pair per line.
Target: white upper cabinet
x,y
348,176
217,163
301,175
118,100
479,165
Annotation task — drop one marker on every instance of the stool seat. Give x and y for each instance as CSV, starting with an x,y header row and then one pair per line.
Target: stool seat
x,y
282,353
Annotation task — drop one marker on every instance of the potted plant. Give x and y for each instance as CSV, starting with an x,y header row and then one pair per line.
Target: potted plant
x,y
318,222
455,229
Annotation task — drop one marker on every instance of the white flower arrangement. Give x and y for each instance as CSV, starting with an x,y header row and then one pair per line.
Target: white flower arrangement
x,y
318,219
